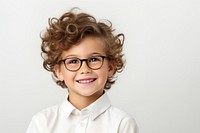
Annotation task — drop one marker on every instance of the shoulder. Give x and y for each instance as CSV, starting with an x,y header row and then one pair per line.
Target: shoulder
x,y
47,113
49,110
40,120
126,122
118,112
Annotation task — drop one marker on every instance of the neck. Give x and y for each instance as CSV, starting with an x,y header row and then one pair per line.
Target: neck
x,y
81,102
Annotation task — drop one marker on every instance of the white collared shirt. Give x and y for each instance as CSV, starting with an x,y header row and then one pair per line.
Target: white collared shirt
x,y
99,117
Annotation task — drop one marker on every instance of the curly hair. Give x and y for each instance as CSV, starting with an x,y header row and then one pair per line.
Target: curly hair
x,y
70,29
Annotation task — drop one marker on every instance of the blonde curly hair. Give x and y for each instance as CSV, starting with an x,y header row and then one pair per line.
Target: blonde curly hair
x,y
70,29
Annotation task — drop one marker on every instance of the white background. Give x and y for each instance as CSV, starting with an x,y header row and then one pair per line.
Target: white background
x,y
160,86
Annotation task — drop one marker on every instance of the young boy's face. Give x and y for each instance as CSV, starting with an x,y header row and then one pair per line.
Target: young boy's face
x,y
85,82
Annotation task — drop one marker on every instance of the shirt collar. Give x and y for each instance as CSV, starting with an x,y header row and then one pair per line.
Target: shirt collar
x,y
94,109
67,107
99,106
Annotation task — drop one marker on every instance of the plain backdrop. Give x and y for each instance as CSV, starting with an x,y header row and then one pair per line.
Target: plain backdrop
x,y
160,86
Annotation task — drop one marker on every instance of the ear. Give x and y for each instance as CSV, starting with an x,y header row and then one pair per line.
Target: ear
x,y
111,69
57,70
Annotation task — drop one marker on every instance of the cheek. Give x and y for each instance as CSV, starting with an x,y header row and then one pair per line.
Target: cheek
x,y
68,75
104,73
68,80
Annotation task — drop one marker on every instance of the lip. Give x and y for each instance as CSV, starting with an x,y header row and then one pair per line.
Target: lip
x,y
86,80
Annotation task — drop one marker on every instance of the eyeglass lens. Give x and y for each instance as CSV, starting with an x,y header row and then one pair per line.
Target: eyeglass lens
x,y
74,64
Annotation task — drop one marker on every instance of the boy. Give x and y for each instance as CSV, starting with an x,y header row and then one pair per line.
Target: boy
x,y
84,55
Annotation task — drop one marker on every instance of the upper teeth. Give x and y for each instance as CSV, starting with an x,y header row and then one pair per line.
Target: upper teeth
x,y
85,81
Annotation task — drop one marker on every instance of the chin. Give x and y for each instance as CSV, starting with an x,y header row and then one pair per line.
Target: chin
x,y
92,93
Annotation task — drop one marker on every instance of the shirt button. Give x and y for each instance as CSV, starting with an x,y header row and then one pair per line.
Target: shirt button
x,y
82,124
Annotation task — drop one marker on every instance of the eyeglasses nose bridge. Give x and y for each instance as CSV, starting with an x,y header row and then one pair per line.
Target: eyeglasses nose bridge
x,y
86,61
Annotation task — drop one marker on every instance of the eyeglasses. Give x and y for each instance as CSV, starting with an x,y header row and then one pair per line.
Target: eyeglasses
x,y
74,64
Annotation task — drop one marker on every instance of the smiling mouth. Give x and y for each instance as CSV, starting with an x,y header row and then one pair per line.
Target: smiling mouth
x,y
86,81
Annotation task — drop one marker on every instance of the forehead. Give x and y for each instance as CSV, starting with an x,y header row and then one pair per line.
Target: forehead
x,y
87,47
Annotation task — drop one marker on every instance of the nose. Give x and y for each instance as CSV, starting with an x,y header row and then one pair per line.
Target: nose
x,y
84,68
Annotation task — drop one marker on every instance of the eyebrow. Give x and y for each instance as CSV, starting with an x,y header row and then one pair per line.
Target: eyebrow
x,y
89,55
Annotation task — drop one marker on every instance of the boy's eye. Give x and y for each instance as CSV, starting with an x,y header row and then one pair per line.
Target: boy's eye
x,y
94,59
72,61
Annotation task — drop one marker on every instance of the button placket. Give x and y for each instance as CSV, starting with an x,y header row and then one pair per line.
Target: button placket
x,y
83,123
